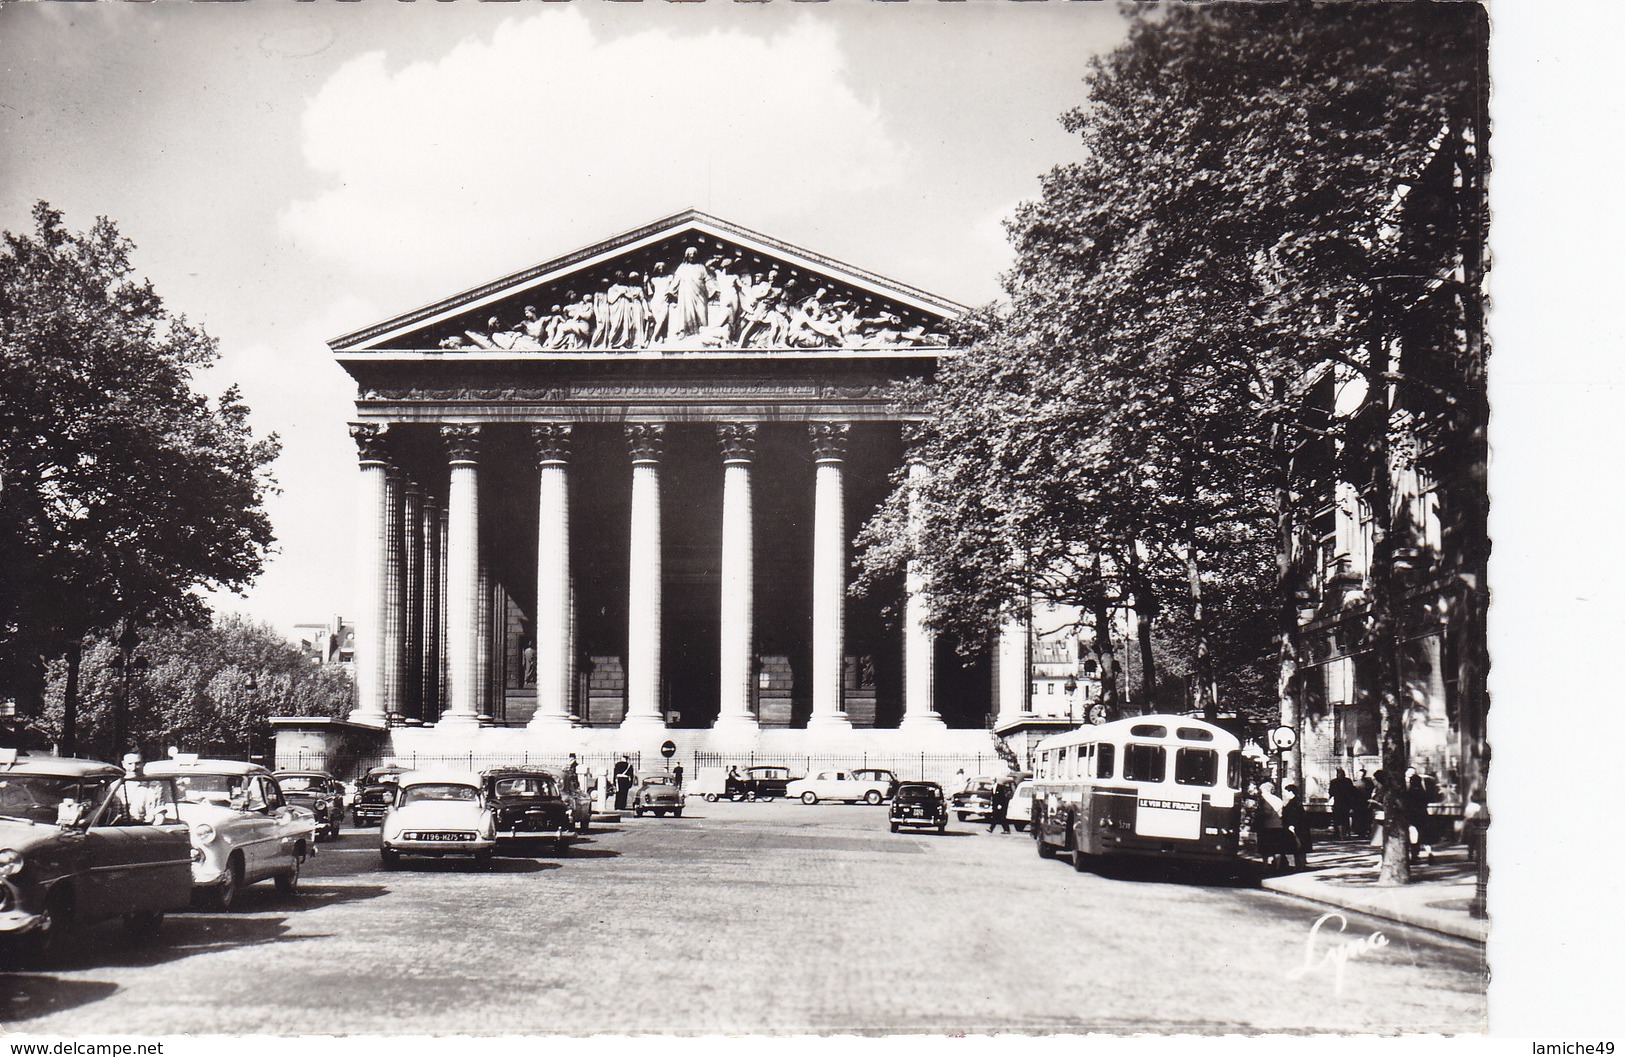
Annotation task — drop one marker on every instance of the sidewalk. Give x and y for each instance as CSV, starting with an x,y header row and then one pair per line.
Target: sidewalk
x,y
1344,874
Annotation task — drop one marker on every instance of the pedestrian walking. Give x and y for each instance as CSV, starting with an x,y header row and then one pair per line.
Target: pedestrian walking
x,y
624,776
572,775
1000,810
1344,798
1416,800
677,776
1295,823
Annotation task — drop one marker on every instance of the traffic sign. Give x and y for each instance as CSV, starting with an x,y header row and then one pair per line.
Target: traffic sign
x,y
1283,738
668,750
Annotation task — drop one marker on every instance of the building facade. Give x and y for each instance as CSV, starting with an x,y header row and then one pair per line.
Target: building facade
x,y
610,501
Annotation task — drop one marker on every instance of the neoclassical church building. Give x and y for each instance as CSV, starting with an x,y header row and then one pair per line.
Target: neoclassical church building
x,y
610,501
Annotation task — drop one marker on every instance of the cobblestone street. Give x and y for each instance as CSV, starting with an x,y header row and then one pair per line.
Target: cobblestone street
x,y
752,918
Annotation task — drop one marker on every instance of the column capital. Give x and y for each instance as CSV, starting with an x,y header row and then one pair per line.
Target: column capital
x,y
551,441
462,442
645,441
371,441
829,440
413,489
737,441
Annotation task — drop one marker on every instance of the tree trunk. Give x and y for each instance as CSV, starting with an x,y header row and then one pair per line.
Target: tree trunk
x,y
1205,698
1105,651
1145,615
70,701
1289,581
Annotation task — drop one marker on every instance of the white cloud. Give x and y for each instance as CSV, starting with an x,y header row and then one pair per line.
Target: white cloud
x,y
546,136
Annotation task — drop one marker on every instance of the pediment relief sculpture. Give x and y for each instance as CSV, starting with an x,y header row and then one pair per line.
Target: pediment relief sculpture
x,y
720,301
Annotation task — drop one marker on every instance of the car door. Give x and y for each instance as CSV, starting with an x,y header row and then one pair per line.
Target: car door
x,y
138,854
289,828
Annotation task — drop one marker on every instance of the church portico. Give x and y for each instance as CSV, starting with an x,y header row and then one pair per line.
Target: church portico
x,y
590,546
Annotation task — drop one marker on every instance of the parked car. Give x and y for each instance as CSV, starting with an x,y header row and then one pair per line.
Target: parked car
x,y
580,810
374,792
80,843
762,782
319,793
243,829
868,784
975,801
437,813
529,807
1019,812
658,794
919,804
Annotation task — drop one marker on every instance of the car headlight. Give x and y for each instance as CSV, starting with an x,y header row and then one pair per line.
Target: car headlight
x,y
11,861
202,833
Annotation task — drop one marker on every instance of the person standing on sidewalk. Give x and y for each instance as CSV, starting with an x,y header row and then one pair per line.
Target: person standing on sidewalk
x,y
677,776
1295,822
1267,821
1344,798
1364,790
624,775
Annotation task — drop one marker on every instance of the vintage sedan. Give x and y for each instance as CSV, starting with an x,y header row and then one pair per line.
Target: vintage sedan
x,y
81,843
243,829
374,792
1019,812
319,793
438,813
529,808
975,801
868,784
659,795
580,809
919,804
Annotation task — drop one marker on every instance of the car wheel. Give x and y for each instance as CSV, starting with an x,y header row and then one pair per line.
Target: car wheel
x,y
963,816
809,797
389,860
1021,827
677,814
894,827
355,819
561,848
1080,861
750,797
142,926
872,797
223,896
484,860
50,936
638,811
287,882
710,798
1046,850
942,827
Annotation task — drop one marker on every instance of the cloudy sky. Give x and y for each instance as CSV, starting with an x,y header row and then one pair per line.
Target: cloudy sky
x,y
293,172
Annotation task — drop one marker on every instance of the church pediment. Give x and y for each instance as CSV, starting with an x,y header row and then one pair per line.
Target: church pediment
x,y
689,282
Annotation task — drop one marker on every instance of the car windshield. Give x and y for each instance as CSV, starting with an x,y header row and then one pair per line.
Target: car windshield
x,y
416,794
300,783
210,788
527,785
387,778
657,781
768,772
36,797
918,792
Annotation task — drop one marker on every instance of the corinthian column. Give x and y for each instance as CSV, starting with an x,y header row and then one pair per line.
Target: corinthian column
x,y
552,444
434,586
643,613
738,580
394,641
1015,667
371,539
411,702
829,577
919,641
462,574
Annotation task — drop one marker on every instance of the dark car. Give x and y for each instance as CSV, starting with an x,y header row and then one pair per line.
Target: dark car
x,y
529,806
765,782
975,801
919,804
319,793
80,843
374,793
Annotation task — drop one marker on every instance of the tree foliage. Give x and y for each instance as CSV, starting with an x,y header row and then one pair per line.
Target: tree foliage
x,y
208,689
1269,192
122,489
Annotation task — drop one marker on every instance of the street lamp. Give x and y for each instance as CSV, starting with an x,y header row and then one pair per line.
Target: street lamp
x,y
1071,688
126,664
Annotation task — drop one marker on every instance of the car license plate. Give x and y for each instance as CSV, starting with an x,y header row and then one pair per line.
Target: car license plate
x,y
443,836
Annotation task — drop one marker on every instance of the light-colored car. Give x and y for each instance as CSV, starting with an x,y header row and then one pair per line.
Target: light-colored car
x,y
869,784
658,795
975,801
1019,812
80,843
437,813
243,830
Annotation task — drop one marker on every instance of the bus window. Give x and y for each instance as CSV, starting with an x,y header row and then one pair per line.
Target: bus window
x,y
1194,734
1196,767
1233,771
1148,730
1062,770
1105,760
1144,763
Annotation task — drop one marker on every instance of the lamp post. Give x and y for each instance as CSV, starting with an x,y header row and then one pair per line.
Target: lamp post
x,y
126,664
1071,688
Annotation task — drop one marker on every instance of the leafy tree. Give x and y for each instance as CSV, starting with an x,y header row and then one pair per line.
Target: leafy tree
x,y
1262,200
208,689
122,489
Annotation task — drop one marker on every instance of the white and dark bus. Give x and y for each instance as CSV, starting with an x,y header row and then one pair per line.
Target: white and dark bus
x,y
1164,787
